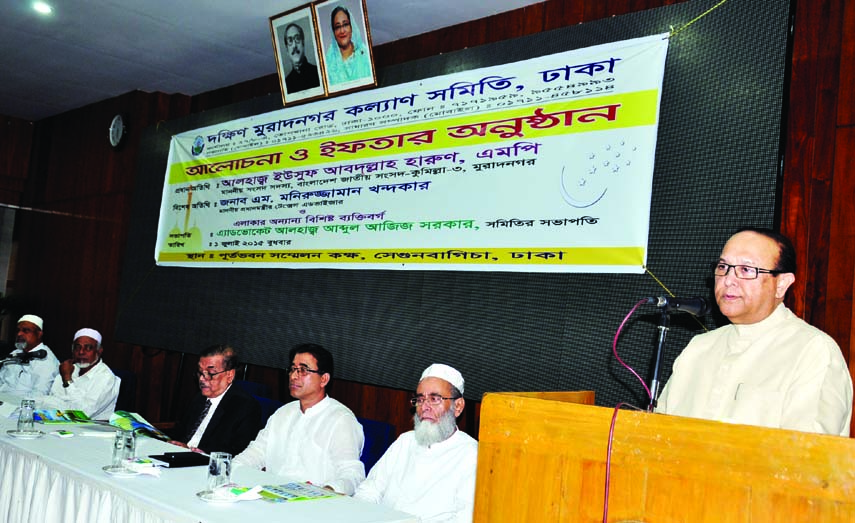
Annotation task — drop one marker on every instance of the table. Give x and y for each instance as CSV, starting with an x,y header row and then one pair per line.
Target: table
x,y
54,479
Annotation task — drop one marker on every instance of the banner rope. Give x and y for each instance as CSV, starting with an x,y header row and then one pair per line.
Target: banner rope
x,y
674,32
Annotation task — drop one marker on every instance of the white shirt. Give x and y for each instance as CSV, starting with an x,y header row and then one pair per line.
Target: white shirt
x,y
780,372
322,445
33,379
197,436
95,392
435,483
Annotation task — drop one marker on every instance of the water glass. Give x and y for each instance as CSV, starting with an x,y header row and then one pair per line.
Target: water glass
x,y
118,450
219,470
130,444
25,416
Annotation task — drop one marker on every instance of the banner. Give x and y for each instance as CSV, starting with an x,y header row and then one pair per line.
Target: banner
x,y
540,165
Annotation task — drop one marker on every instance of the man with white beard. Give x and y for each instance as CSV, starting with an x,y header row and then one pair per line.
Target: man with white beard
x,y
430,471
84,382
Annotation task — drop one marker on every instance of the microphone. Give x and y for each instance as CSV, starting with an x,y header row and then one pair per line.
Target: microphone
x,y
696,305
27,357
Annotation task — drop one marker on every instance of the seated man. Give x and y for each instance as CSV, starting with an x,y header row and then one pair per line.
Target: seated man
x,y
85,382
768,367
30,377
316,438
222,417
429,471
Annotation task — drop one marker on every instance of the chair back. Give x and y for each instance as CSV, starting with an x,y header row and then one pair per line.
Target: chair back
x,y
127,399
378,436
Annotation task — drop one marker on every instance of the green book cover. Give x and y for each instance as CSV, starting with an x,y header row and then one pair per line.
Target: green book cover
x,y
51,416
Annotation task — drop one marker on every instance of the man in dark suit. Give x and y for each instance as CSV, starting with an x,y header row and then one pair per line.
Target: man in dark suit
x,y
222,417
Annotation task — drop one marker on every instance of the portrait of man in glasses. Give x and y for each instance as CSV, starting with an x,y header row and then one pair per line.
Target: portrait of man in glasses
x,y
429,471
314,438
222,417
767,367
303,74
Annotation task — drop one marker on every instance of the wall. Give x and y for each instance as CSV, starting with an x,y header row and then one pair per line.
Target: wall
x,y
68,266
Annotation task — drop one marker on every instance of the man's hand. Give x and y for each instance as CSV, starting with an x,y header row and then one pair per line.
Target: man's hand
x,y
180,444
66,368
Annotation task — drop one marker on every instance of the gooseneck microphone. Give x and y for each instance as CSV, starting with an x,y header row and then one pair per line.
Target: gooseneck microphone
x,y
696,305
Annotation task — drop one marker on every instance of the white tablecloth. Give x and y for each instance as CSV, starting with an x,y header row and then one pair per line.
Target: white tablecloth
x,y
54,479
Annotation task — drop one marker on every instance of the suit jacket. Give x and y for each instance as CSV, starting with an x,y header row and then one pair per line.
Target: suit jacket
x,y
233,426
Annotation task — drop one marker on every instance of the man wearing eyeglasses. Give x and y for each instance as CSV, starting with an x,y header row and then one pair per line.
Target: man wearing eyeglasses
x,y
429,471
768,367
314,439
222,417
303,75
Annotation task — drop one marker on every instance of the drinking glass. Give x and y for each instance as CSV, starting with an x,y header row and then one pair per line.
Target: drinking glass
x,y
25,416
219,470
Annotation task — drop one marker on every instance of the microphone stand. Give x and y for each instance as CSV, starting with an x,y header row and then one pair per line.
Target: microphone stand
x,y
664,327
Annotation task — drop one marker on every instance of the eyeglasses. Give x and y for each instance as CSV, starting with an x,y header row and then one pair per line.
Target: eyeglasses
x,y
743,272
208,375
302,371
432,399
343,25
293,39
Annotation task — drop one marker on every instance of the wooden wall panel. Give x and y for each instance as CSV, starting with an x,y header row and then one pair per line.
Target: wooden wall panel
x,y
16,141
817,189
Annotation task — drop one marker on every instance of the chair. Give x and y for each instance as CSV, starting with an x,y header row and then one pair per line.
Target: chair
x,y
268,407
254,388
378,436
261,393
127,400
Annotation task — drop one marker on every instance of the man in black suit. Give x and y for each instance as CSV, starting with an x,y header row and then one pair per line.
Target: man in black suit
x,y
222,417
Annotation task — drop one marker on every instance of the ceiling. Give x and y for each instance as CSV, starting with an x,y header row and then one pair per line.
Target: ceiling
x,y
92,50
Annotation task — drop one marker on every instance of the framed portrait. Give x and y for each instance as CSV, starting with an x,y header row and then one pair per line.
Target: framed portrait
x,y
295,44
345,44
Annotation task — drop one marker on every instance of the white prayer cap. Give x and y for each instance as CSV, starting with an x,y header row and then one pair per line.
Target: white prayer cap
x,y
92,333
445,372
32,318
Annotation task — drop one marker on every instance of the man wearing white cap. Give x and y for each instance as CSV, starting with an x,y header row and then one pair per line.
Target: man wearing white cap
x,y
429,471
26,376
85,382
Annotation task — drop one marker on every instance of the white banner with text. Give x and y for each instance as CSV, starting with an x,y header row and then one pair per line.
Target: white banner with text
x,y
542,165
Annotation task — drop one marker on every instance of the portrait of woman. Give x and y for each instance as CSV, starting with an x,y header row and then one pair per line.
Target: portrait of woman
x,y
347,50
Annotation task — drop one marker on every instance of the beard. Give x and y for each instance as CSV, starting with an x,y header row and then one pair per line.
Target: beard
x,y
428,433
86,365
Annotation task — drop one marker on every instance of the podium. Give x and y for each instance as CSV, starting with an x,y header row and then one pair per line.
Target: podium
x,y
542,457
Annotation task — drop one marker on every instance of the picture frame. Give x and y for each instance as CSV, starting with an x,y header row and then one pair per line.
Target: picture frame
x,y
348,60
298,60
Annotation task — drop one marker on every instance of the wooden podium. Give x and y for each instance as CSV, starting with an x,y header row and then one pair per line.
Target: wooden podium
x,y
542,458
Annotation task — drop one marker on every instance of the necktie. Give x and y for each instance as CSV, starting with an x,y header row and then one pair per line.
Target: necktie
x,y
198,422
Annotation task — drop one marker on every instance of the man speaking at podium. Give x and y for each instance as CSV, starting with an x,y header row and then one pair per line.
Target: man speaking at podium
x,y
27,376
768,368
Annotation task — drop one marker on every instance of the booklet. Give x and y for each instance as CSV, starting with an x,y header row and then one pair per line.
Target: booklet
x,y
295,491
52,416
133,421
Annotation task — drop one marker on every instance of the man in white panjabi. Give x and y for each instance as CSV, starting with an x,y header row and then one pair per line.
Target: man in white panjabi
x,y
768,367
27,376
429,471
84,382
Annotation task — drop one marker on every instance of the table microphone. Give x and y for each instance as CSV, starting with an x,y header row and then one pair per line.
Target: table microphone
x,y
696,305
26,357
